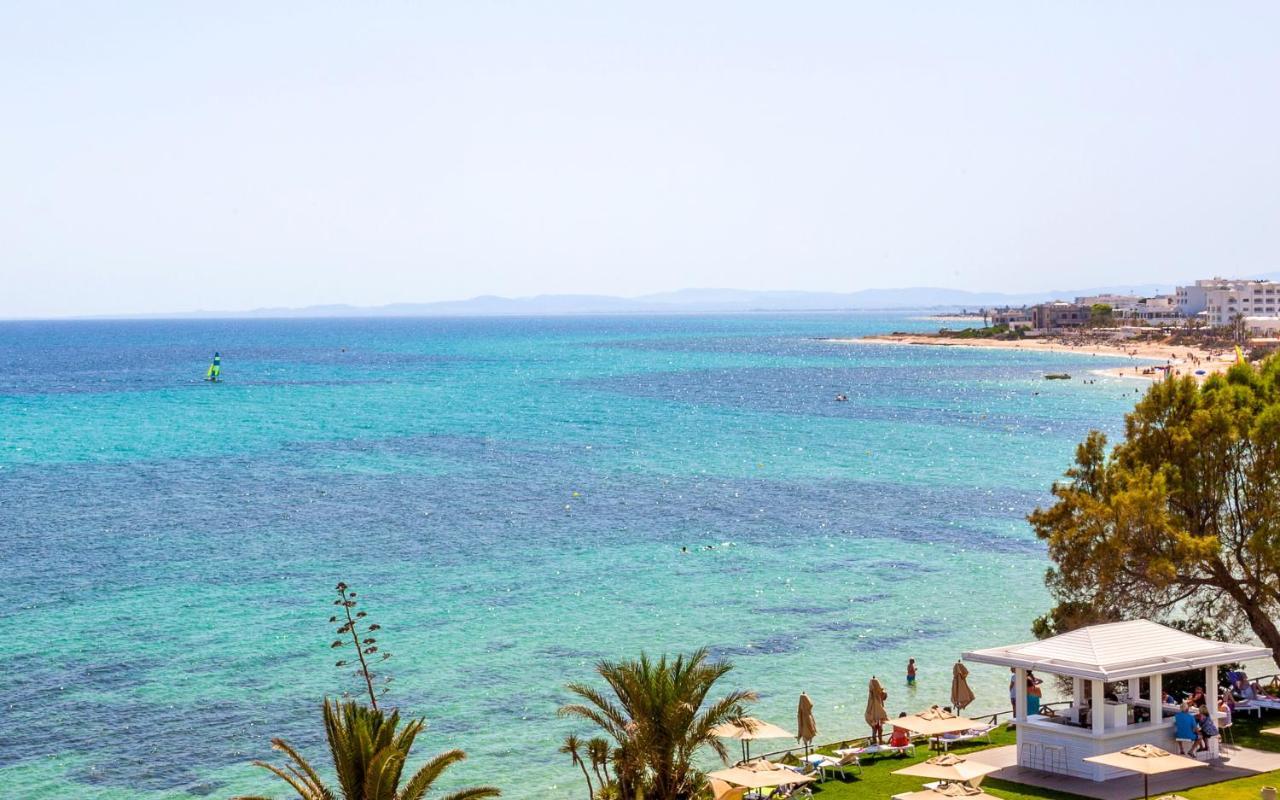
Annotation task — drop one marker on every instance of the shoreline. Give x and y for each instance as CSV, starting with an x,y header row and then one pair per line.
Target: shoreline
x,y
1181,359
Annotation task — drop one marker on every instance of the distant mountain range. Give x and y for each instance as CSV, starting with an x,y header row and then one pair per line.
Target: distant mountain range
x,y
686,301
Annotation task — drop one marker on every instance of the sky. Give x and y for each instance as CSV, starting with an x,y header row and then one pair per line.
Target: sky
x,y
161,156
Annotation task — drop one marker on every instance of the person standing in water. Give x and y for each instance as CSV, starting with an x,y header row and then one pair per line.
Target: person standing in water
x,y
911,672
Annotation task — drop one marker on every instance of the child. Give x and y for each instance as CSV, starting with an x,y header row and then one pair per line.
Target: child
x,y
911,672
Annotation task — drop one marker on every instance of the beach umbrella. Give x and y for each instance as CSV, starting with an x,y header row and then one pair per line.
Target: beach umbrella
x,y
946,791
747,730
1146,760
724,791
935,722
948,768
806,725
1272,731
875,714
760,777
961,694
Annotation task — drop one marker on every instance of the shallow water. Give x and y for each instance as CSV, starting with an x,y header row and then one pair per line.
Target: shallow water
x,y
510,497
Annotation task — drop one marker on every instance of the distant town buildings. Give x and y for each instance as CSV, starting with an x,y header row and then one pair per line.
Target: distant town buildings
x,y
1212,303
1058,315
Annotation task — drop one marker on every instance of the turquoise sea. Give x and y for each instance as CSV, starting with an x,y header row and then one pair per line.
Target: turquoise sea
x,y
510,498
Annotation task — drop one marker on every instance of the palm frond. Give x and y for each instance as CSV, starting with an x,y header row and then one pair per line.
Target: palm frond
x,y
302,789
474,793
380,774
428,773
309,775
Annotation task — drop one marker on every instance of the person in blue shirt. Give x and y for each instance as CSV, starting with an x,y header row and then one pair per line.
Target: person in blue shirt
x,y
1208,733
1185,729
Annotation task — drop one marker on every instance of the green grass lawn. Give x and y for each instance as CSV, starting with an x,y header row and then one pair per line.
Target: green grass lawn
x,y
877,781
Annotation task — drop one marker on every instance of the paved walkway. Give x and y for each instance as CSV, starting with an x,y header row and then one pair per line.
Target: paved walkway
x,y
1237,762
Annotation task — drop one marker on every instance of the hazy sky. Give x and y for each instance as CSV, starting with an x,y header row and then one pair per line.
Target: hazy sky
x,y
176,156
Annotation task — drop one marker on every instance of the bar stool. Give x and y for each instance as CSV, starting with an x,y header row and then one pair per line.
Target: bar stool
x,y
1031,754
1055,758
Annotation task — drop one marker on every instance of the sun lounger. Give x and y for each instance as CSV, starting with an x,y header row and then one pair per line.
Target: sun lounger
x,y
1247,707
947,739
824,764
877,750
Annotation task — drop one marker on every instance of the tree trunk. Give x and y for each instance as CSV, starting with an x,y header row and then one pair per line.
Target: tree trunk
x,y
591,792
1263,626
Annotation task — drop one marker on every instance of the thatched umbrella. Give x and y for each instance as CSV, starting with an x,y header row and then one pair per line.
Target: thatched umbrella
x,y
875,714
948,768
1146,760
948,791
760,776
806,725
935,722
961,694
748,730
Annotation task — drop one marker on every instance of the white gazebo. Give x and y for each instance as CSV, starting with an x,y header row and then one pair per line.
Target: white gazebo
x,y
1118,652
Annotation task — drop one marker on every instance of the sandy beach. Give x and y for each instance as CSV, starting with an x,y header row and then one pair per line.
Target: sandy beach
x,y
1181,359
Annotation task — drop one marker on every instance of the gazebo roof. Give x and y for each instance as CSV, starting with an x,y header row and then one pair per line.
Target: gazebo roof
x,y
1117,651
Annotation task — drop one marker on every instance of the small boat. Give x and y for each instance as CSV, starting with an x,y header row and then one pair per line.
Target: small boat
x,y
215,369
1057,376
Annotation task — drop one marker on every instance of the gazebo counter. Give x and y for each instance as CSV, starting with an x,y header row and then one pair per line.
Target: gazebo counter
x,y
1116,652
1073,744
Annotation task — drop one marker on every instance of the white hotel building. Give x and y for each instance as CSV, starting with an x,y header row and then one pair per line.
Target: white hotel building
x,y
1221,301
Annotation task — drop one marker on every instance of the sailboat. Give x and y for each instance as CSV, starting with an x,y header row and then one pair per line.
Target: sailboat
x,y
215,369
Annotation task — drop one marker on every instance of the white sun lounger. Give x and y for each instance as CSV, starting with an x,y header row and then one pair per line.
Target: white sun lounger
x,y
947,739
877,750
825,764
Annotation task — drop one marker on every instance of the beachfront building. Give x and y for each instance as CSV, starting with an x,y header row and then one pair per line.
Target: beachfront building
x,y
1162,309
1193,299
1058,315
1222,301
1262,326
1116,672
1012,317
1119,302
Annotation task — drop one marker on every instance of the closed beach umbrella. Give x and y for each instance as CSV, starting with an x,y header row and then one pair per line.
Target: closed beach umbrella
x,y
749,729
961,694
1147,760
876,715
806,725
948,768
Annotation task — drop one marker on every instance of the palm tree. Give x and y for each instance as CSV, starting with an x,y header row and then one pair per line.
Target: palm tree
x,y
598,752
570,748
368,756
658,715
